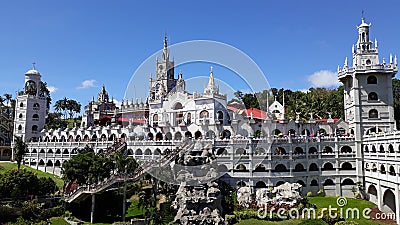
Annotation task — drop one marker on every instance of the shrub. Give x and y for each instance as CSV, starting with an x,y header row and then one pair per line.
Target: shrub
x,y
313,222
321,193
347,223
358,195
309,194
327,216
230,219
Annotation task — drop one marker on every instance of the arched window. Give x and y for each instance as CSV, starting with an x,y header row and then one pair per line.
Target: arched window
x,y
35,117
204,114
314,183
20,116
241,167
280,151
313,167
373,113
19,127
220,117
329,182
347,166
298,150
178,105
189,118
346,149
312,150
260,168
34,128
372,80
280,168
299,168
21,104
36,106
328,166
373,96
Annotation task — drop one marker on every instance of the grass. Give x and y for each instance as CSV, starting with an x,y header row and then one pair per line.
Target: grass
x,y
58,221
323,202
264,222
6,166
134,210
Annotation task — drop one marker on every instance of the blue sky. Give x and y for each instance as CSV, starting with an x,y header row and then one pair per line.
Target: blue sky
x,y
103,42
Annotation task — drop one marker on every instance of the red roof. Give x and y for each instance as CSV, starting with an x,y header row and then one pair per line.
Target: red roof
x,y
257,113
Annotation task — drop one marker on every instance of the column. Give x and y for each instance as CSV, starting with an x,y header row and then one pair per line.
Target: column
x,y
92,208
397,201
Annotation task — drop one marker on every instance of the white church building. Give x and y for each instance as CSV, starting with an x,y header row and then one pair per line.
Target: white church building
x,y
369,156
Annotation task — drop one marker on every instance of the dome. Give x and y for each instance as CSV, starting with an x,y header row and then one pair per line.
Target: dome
x,y
363,24
32,72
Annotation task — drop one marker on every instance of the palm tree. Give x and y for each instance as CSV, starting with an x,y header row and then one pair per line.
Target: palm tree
x,y
20,148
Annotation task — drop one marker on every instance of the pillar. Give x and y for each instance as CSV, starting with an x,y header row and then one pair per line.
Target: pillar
x,y
397,201
92,208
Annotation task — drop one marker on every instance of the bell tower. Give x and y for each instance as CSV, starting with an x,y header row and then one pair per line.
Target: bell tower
x,y
30,108
368,96
165,80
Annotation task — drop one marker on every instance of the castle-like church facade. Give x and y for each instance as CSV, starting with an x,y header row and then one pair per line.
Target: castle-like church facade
x,y
338,164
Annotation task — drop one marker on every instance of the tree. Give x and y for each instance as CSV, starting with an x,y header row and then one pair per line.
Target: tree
x,y
73,107
87,168
44,92
54,121
20,148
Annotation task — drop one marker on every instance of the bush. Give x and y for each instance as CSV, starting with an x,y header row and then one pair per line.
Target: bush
x,y
231,219
321,193
347,223
358,195
313,222
309,194
244,215
327,217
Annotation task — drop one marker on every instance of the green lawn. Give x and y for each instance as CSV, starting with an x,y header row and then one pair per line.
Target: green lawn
x,y
322,202
5,166
325,202
264,222
58,221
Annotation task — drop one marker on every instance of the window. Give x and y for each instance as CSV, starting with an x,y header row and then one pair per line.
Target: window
x,y
20,116
204,114
373,113
34,128
36,106
19,127
372,80
372,96
35,117
21,104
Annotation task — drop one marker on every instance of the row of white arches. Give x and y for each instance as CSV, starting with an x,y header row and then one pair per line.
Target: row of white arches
x,y
282,151
312,183
382,168
299,167
381,148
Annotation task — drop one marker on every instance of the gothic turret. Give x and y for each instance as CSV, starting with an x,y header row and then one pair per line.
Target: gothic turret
x,y
368,97
211,87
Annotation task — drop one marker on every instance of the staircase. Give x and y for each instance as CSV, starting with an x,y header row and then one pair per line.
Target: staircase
x,y
84,191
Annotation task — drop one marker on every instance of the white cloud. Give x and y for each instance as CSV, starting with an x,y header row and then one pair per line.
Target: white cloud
x,y
324,78
87,84
52,89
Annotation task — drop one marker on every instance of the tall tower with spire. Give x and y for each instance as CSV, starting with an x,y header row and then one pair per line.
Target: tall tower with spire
x,y
165,80
368,96
30,108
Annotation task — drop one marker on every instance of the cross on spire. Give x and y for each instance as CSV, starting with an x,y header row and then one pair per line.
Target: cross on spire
x,y
33,65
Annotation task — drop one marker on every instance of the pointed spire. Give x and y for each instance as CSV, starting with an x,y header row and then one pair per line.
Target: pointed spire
x,y
180,75
33,66
391,58
338,68
395,60
211,79
383,61
352,48
376,43
165,40
346,62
